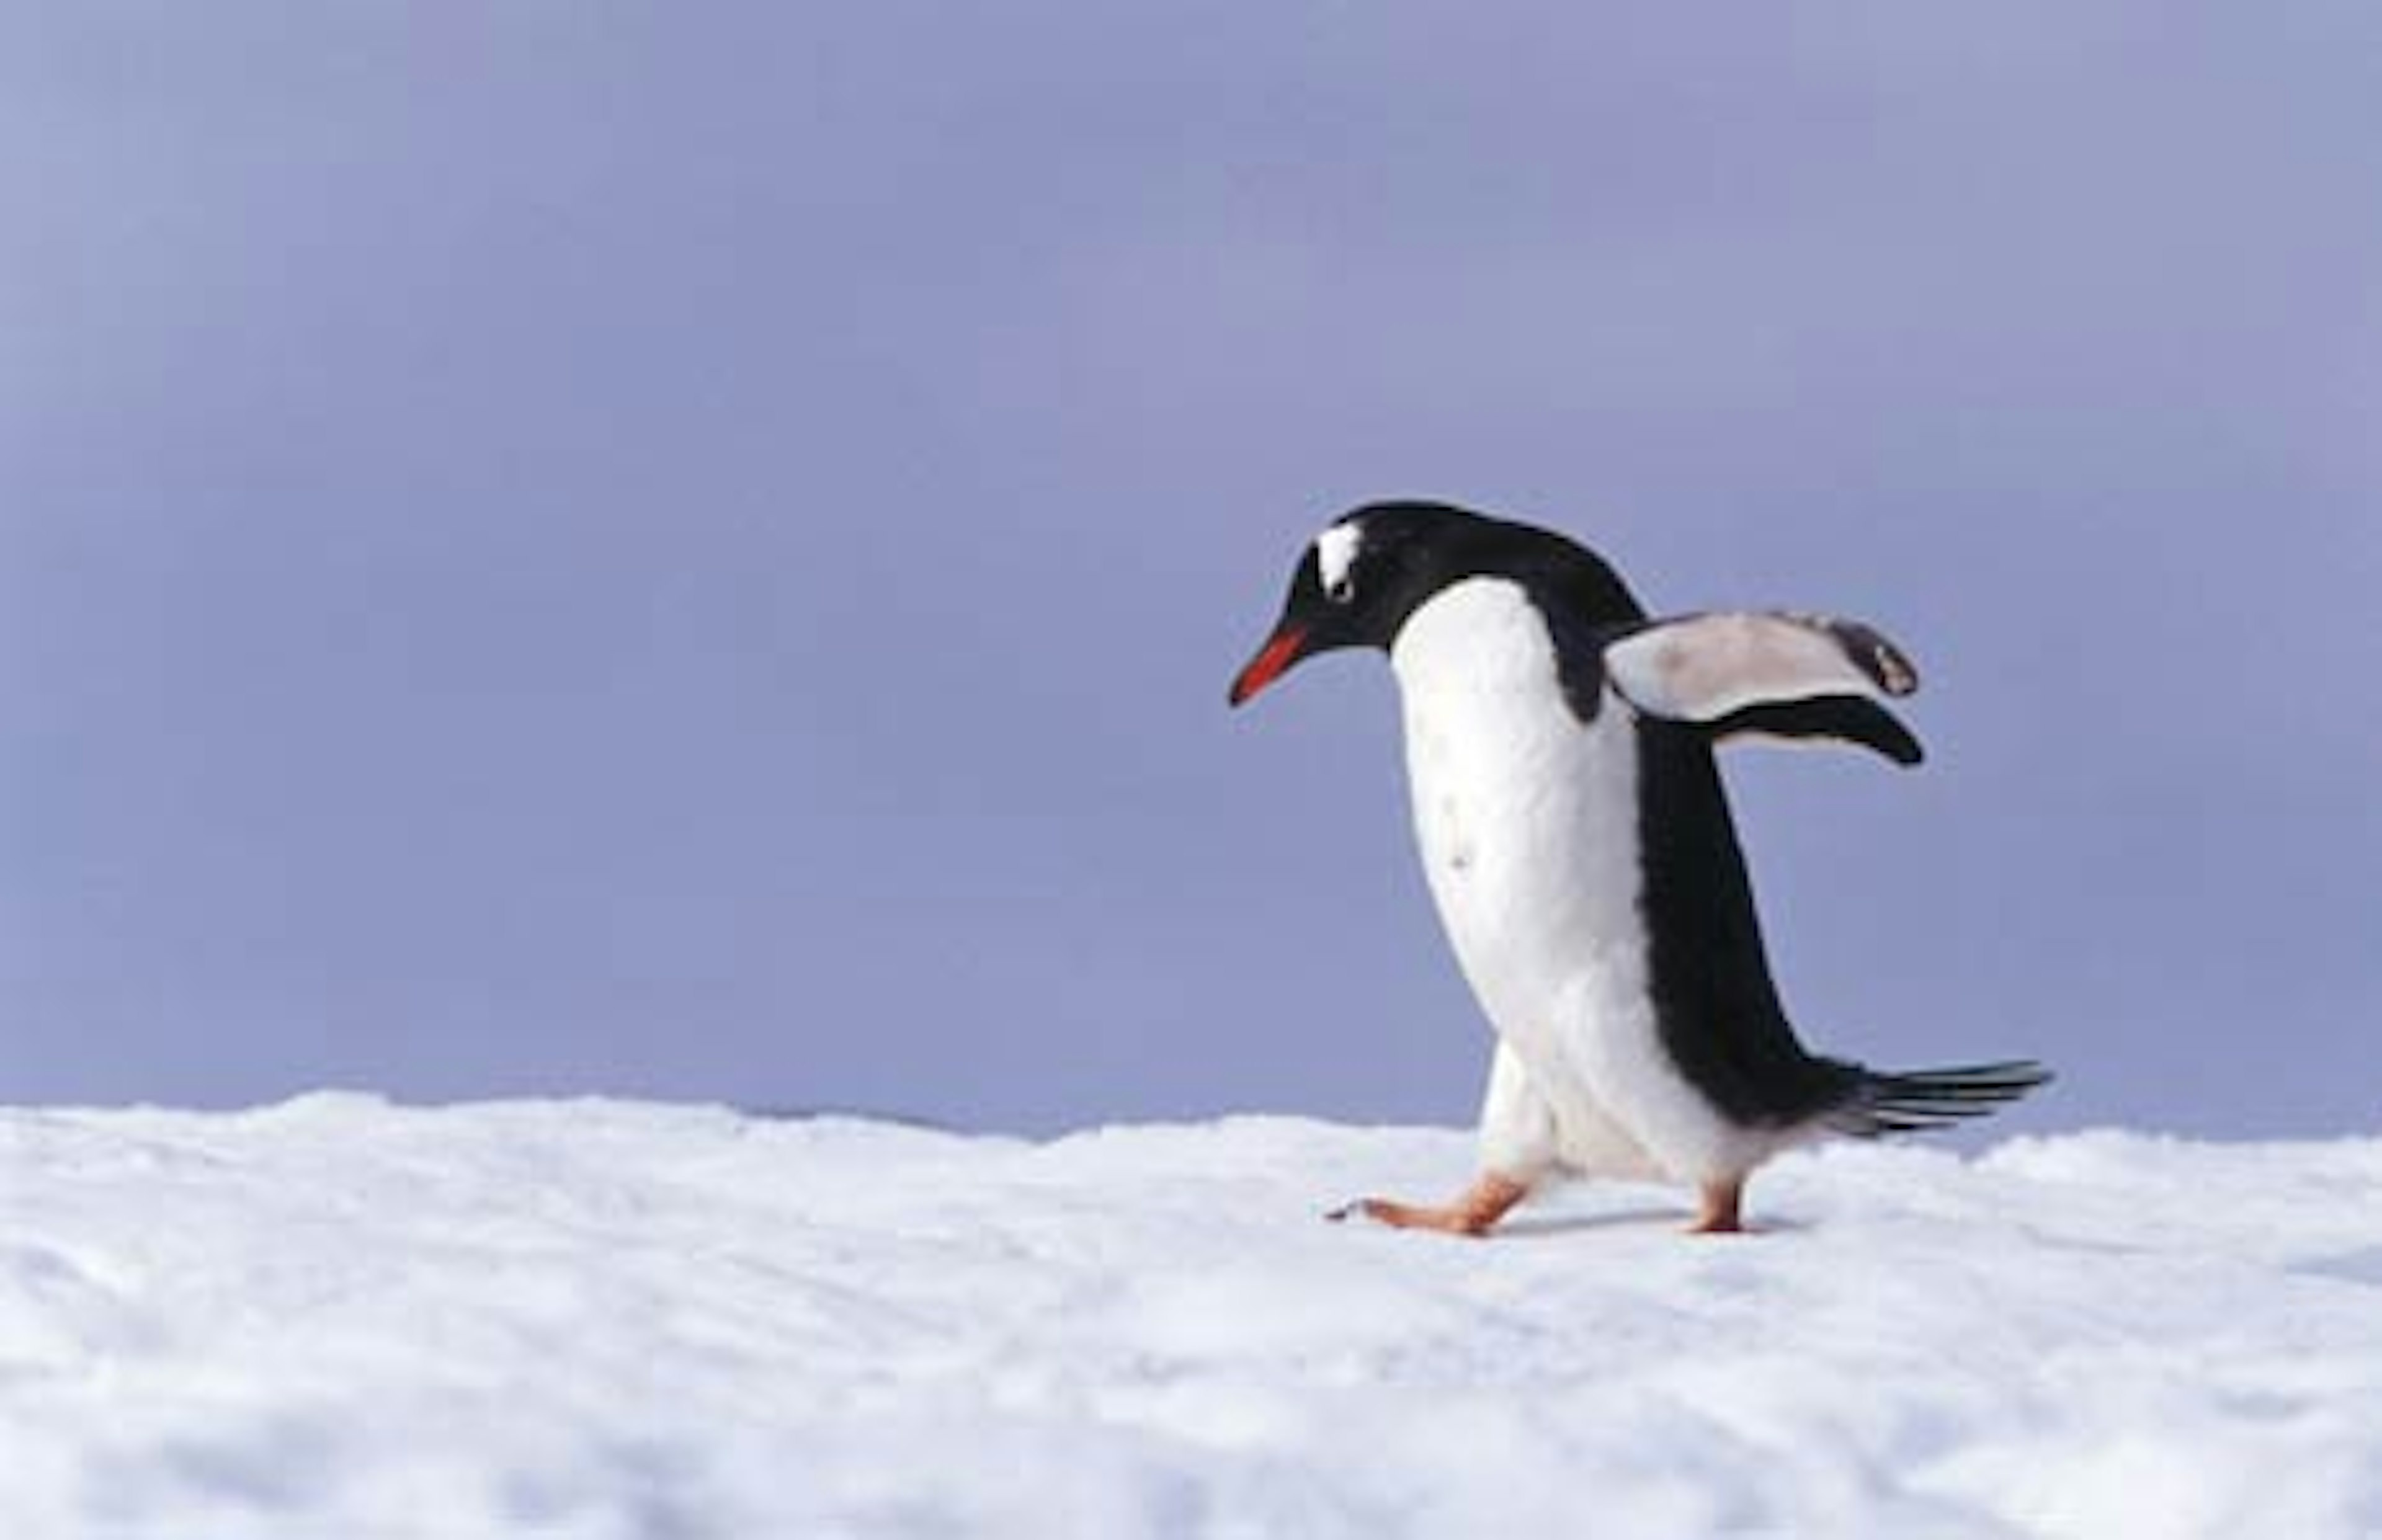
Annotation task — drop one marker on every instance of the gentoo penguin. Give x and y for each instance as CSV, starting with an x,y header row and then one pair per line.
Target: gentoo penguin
x,y
1560,755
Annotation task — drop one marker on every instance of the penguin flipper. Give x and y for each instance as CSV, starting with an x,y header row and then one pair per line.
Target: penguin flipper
x,y
1770,674
1704,668
1853,719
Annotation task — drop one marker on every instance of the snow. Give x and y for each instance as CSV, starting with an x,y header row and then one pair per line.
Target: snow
x,y
339,1318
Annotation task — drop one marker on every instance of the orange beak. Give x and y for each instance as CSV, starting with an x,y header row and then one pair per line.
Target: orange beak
x,y
1281,651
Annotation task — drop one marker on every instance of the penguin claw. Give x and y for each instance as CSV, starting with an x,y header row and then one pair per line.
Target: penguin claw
x,y
1471,1215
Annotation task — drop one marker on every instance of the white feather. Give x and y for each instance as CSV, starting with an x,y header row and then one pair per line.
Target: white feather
x,y
1521,1141
1335,553
1528,821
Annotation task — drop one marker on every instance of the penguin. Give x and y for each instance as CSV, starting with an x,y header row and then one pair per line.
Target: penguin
x,y
1579,848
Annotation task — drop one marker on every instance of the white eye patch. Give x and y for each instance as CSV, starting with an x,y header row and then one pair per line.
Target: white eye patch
x,y
1335,556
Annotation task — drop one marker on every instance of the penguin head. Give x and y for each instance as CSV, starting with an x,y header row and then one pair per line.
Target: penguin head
x,y
1356,584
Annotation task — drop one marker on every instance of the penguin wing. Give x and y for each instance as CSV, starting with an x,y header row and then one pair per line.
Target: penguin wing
x,y
1772,673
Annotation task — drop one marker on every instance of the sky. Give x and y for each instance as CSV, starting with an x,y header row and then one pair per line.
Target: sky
x,y
695,552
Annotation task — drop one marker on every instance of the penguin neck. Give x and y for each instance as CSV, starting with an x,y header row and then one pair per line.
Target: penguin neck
x,y
1478,635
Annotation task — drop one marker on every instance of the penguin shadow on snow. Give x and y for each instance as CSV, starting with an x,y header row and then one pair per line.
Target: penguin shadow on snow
x,y
1648,1216
1651,1218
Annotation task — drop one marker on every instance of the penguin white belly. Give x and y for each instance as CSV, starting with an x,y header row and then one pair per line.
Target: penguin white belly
x,y
1528,820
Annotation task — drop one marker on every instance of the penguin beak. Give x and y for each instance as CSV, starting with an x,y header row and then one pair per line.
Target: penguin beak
x,y
1287,646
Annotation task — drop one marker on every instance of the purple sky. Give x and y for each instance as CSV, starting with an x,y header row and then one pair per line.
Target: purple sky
x,y
696,551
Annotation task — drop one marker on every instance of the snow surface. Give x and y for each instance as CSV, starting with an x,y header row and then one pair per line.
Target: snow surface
x,y
340,1319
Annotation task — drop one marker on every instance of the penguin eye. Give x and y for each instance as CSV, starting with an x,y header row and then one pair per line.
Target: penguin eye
x,y
1341,588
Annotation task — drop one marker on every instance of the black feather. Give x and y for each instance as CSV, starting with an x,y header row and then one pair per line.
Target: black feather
x,y
1924,1099
1848,718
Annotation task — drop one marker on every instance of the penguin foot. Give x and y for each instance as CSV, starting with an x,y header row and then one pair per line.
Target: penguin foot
x,y
1482,1204
1722,1209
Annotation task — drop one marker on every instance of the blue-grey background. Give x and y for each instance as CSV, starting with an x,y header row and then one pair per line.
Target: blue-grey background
x,y
695,550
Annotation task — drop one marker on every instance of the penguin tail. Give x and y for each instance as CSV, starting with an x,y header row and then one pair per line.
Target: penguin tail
x,y
1924,1099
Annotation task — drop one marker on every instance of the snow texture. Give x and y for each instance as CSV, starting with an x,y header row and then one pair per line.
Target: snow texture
x,y
342,1318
